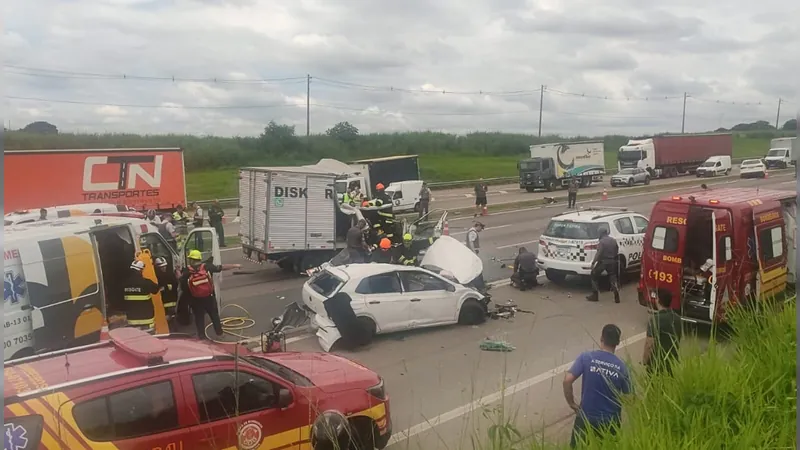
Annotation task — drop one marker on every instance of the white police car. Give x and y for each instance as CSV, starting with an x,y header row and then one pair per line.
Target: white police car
x,y
569,244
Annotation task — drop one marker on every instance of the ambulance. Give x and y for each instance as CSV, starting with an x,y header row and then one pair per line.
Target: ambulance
x,y
718,247
63,278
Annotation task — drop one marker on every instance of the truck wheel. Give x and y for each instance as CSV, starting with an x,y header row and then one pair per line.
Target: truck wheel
x,y
286,264
550,185
416,207
530,189
554,275
647,180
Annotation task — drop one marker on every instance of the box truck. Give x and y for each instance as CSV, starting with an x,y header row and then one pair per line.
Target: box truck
x,y
365,174
141,178
780,154
555,165
669,155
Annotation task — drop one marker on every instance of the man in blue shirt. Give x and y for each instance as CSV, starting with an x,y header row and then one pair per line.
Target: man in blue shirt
x,y
605,377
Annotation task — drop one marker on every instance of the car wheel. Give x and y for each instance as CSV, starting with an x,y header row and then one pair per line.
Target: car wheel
x,y
369,328
555,276
363,434
727,171
646,180
630,182
472,313
416,207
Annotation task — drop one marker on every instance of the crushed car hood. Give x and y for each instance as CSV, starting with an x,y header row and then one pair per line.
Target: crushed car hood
x,y
329,372
450,254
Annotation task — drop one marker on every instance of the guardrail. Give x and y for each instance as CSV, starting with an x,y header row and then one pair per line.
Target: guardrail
x,y
439,185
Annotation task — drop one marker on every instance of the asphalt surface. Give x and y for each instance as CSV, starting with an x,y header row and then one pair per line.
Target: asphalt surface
x,y
438,378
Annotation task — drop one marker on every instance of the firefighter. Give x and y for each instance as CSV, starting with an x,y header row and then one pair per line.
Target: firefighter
x,y
197,289
180,221
385,216
384,254
409,252
169,287
138,296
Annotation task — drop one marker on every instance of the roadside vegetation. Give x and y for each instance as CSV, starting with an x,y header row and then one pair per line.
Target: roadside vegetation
x,y
739,392
211,162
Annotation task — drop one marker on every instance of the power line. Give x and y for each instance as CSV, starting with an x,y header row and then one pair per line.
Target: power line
x,y
606,97
53,73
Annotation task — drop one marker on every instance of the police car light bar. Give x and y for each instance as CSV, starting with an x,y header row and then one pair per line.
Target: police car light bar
x,y
138,344
605,208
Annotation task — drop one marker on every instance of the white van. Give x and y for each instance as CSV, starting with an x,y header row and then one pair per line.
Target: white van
x,y
61,211
715,165
63,278
405,195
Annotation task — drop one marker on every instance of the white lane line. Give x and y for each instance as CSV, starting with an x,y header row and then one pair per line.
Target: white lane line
x,y
227,249
503,192
492,398
517,244
485,229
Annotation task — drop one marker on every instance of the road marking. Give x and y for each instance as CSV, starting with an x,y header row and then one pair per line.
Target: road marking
x,y
468,195
229,249
517,244
492,398
503,192
485,229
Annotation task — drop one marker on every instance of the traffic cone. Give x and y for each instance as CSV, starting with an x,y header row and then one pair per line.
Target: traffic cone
x,y
485,211
104,331
605,194
446,229
766,174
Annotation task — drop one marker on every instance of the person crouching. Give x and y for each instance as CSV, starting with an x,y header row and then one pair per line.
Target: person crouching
x,y
525,270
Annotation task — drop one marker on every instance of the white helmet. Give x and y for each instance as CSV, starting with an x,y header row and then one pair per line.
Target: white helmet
x,y
161,262
137,265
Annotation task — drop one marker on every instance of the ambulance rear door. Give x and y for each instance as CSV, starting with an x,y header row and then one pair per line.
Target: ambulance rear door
x,y
770,236
722,249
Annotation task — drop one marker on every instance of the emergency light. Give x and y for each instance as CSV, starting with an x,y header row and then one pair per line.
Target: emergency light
x,y
676,197
713,202
138,344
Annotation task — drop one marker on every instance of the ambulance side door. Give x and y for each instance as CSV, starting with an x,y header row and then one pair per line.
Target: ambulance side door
x,y
770,236
206,241
722,251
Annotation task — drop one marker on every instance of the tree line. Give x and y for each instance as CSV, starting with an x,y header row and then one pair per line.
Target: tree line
x,y
279,144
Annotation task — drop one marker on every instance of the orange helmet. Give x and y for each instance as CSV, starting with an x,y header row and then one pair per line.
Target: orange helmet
x,y
379,186
386,244
365,204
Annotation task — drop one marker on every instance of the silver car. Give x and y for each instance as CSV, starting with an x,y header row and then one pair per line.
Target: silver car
x,y
629,177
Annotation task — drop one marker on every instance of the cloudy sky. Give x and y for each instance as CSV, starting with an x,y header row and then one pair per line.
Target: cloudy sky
x,y
616,66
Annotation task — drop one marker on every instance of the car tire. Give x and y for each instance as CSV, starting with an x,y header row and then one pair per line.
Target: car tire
x,y
630,182
530,189
364,434
369,327
555,276
416,207
727,172
471,313
646,180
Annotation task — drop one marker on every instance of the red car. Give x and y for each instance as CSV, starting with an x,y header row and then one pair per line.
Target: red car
x,y
138,391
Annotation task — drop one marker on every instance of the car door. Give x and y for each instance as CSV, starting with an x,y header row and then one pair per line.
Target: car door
x,y
205,240
146,413
629,241
431,299
380,297
240,409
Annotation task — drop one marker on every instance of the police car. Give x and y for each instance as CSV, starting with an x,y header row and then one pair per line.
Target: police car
x,y
569,244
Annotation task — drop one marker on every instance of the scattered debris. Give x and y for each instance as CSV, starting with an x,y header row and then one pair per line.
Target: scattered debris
x,y
491,345
507,310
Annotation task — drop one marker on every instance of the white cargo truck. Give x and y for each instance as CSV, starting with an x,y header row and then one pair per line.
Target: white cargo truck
x,y
555,165
780,155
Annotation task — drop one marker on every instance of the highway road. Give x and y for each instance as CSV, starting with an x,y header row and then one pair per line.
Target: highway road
x,y
464,197
439,377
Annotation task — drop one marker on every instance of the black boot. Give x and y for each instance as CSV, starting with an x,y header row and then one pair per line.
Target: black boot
x,y
616,296
593,297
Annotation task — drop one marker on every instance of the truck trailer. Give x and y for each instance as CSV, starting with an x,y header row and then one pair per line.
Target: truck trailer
x,y
365,174
141,178
669,155
555,165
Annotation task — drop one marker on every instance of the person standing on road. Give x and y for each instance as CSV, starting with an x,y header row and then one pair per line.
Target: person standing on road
x,y
138,296
605,378
356,244
572,193
168,285
605,259
181,222
424,199
473,239
198,218
664,333
480,198
167,230
197,287
215,215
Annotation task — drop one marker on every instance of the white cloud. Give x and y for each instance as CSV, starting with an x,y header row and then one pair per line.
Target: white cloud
x,y
478,52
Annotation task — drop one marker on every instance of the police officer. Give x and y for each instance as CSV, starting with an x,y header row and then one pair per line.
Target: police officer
x,y
167,230
525,270
202,305
473,240
384,254
198,218
605,259
215,217
138,296
153,218
169,287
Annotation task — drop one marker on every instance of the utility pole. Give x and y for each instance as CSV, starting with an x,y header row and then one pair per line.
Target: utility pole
x,y
308,105
778,117
541,103
683,116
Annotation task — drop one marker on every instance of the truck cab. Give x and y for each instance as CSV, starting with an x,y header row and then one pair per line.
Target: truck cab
x,y
638,154
778,158
719,247
537,173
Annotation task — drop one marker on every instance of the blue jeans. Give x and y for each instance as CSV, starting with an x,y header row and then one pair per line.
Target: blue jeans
x,y
584,426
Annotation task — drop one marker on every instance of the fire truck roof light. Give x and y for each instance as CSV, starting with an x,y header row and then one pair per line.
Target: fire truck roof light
x,y
713,202
139,344
676,197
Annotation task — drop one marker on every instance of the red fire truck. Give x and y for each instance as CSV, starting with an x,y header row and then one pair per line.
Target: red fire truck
x,y
717,247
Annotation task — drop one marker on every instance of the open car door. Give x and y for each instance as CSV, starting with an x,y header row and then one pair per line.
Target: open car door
x,y
722,248
770,239
205,240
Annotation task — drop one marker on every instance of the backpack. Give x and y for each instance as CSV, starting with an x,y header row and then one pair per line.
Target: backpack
x,y
200,285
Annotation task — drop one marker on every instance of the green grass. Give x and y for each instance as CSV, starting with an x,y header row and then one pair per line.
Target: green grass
x,y
223,183
734,394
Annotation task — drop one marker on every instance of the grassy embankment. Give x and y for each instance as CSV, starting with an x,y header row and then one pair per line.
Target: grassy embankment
x,y
222,183
736,394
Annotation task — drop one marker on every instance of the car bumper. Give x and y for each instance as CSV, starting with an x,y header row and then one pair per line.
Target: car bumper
x,y
325,330
619,181
576,268
752,173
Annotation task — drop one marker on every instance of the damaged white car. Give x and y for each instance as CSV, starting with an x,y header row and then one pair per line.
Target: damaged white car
x,y
351,304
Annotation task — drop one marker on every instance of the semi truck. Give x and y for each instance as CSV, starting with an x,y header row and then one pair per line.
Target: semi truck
x,y
669,155
365,174
780,154
555,165
141,178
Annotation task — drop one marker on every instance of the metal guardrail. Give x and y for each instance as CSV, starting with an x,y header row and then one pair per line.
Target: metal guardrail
x,y
440,185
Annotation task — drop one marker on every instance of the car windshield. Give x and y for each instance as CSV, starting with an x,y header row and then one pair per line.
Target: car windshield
x,y
709,164
340,186
626,172
530,165
279,370
776,152
567,229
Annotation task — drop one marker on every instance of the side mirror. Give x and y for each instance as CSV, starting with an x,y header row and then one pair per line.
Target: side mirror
x,y
284,398
451,288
